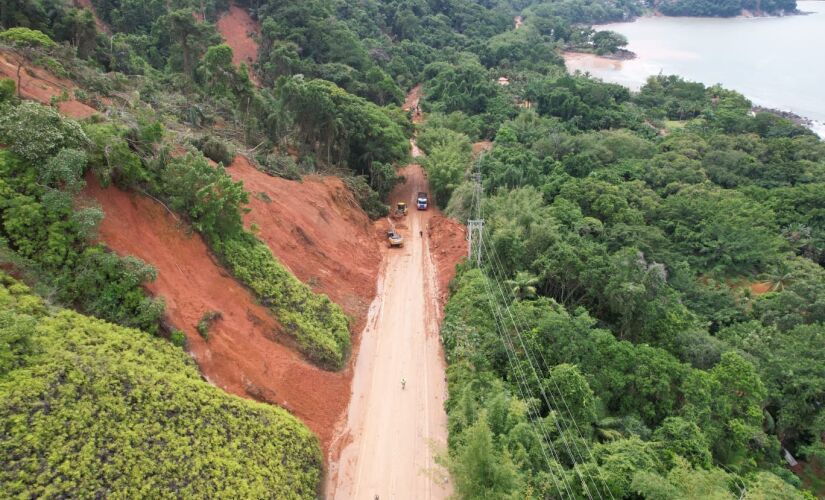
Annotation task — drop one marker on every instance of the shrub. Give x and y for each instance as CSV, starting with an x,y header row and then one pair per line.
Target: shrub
x,y
178,338
7,90
318,325
25,37
54,132
99,399
282,165
206,321
217,150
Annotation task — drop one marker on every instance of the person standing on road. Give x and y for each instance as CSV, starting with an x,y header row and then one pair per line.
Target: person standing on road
x,y
403,384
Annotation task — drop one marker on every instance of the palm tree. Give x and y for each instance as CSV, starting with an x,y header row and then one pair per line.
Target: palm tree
x,y
779,277
523,285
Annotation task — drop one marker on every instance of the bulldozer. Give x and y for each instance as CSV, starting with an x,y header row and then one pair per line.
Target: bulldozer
x,y
394,239
401,208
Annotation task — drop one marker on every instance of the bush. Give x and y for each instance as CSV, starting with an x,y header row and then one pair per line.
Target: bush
x,y
25,37
318,325
7,90
282,165
98,400
178,338
217,150
54,132
206,321
369,200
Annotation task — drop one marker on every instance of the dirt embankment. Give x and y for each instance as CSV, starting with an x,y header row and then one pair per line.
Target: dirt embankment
x,y
237,28
448,246
243,355
317,229
39,85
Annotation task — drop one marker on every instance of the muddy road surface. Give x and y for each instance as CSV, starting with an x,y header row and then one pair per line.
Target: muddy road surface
x,y
393,433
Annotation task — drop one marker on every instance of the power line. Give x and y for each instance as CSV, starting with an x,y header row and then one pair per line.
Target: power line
x,y
495,262
559,422
523,387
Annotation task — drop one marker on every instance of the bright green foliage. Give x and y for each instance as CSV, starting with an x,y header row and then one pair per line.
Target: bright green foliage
x,y
8,90
480,471
27,38
54,132
721,231
726,403
207,194
90,409
446,162
318,325
220,78
683,483
110,157
684,439
42,226
608,42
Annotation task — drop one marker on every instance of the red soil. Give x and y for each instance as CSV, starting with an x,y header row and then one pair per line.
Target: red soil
x,y
760,288
482,146
317,229
39,85
87,4
243,355
448,247
236,27
411,103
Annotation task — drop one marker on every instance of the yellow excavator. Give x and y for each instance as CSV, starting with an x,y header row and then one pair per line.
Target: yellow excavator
x,y
401,208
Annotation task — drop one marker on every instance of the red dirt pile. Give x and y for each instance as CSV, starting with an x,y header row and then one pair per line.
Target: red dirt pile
x,y
481,147
236,27
758,289
39,85
243,355
448,246
316,228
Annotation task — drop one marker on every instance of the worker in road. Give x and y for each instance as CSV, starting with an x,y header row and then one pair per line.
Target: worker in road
x,y
403,383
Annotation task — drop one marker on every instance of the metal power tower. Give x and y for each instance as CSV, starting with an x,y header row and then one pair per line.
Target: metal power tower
x,y
475,226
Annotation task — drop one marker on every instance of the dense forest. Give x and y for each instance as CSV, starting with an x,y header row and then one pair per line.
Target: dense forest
x,y
723,8
648,320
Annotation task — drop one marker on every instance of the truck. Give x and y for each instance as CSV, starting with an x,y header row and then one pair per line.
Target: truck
x,y
422,201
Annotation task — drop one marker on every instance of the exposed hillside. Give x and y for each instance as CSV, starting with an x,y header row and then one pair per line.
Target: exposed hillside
x,y
312,226
247,351
90,407
238,29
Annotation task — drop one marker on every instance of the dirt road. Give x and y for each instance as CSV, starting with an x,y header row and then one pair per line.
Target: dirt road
x,y
392,434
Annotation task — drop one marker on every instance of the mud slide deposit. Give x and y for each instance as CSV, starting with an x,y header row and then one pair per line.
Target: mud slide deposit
x,y
243,354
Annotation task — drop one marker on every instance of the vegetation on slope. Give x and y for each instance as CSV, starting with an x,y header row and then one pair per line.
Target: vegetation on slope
x,y
629,254
723,8
90,408
628,228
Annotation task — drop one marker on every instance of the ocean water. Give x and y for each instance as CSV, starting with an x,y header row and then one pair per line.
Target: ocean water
x,y
777,62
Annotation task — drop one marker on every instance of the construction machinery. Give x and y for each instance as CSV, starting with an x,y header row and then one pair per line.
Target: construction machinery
x,y
422,201
394,239
401,208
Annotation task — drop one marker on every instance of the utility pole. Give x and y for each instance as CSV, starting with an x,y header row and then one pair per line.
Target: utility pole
x,y
475,226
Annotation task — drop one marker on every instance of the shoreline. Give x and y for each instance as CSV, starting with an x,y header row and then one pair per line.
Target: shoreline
x,y
619,55
745,14
601,62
